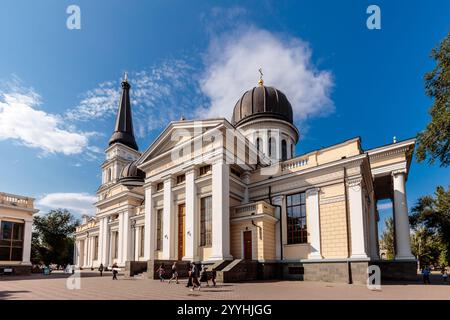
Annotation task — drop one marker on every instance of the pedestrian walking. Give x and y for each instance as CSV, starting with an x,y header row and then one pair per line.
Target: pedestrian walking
x,y
204,276
426,275
174,273
213,276
195,282
100,268
444,274
161,272
189,283
115,271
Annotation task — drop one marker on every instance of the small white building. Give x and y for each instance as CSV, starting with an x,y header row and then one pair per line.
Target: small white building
x,y
16,220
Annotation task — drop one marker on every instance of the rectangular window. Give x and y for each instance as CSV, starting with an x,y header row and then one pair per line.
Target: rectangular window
x,y
159,229
141,247
160,186
11,241
296,218
206,221
205,170
181,178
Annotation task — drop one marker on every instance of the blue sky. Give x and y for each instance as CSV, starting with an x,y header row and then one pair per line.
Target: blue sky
x,y
195,58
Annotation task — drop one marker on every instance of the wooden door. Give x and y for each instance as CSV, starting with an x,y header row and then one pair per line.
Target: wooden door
x,y
181,230
247,245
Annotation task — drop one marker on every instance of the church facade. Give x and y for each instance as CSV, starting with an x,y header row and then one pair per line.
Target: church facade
x,y
235,195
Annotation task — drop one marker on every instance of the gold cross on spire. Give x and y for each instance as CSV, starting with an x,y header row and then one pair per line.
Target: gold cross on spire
x,y
125,77
261,81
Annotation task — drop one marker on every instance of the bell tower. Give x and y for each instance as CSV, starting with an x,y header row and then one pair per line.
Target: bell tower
x,y
122,146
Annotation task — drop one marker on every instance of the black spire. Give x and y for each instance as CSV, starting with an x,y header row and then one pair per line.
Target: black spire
x,y
123,131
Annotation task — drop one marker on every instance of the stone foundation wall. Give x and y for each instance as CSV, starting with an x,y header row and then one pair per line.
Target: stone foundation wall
x,y
133,268
16,270
344,272
398,270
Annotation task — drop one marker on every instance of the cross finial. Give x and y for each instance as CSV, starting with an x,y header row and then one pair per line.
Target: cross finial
x,y
394,139
125,77
261,81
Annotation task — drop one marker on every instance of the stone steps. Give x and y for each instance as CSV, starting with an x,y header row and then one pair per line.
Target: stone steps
x,y
238,270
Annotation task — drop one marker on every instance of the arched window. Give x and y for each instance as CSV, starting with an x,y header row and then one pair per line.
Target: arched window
x,y
258,148
109,177
270,147
292,150
258,144
283,150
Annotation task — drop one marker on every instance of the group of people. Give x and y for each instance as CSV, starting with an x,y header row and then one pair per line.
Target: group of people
x,y
426,272
195,277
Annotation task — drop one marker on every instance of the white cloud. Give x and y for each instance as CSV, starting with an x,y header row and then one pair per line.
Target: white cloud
x,y
78,203
232,64
159,94
20,120
384,206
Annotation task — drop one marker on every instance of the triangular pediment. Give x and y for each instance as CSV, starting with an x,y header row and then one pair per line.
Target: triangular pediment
x,y
178,132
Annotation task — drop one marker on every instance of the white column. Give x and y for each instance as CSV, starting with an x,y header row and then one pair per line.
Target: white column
x,y
126,230
137,242
149,244
402,237
191,217
168,221
221,211
85,252
26,253
101,239
106,243
373,228
355,205
313,222
76,258
278,202
120,241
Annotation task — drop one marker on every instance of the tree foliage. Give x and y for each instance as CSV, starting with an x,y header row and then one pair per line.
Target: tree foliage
x,y
431,215
53,237
434,142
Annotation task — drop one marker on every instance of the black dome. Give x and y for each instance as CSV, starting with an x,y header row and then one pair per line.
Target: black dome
x,y
131,175
262,101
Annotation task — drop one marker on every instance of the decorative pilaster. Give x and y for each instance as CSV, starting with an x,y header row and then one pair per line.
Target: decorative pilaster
x,y
220,211
401,220
313,218
356,211
191,216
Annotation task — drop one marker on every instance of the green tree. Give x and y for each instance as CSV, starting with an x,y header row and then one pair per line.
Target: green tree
x,y
387,238
434,142
427,247
53,239
433,214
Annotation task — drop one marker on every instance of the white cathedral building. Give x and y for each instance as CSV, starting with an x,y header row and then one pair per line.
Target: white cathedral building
x,y
235,195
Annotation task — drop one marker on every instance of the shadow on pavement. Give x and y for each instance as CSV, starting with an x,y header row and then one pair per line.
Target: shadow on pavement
x,y
8,294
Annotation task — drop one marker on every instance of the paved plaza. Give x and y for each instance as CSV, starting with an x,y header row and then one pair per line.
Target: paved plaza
x,y
40,287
